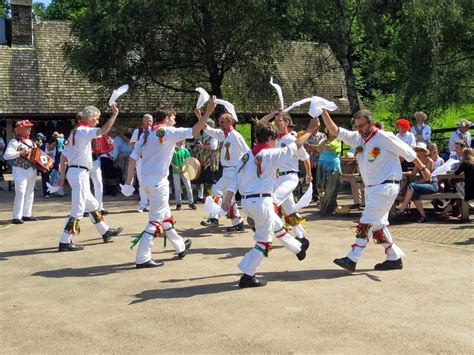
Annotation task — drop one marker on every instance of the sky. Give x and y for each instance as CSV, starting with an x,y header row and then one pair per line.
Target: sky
x,y
46,2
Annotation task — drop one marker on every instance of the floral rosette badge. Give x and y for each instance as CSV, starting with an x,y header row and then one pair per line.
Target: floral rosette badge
x,y
373,154
160,133
258,162
245,159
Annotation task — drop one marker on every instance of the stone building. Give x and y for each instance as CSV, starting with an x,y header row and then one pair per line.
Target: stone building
x,y
36,84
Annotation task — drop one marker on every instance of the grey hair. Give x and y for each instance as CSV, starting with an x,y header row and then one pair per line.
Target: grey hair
x,y
420,114
364,113
147,115
90,111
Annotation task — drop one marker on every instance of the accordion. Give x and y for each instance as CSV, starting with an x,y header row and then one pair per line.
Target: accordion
x,y
42,161
103,144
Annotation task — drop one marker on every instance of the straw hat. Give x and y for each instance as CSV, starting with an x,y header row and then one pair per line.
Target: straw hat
x,y
421,146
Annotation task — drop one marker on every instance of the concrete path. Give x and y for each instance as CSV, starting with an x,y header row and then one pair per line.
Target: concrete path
x,y
95,301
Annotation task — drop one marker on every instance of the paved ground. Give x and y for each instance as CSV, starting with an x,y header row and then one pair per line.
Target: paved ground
x,y
96,301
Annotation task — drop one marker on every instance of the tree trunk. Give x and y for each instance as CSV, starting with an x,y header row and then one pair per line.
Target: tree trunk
x,y
350,84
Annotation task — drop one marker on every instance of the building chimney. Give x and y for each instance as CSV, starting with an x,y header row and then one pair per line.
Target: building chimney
x,y
22,23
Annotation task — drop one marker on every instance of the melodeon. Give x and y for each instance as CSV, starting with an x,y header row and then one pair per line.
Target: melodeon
x,y
42,161
349,166
102,145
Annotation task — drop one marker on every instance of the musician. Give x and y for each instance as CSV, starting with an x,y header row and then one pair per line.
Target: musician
x,y
147,123
255,179
77,154
156,147
233,147
24,172
421,130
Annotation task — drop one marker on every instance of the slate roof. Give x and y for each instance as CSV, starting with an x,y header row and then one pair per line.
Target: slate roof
x,y
35,81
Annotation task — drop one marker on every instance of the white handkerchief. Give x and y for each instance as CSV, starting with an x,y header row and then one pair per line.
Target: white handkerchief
x,y
117,93
279,92
297,103
211,207
305,199
52,189
127,190
318,104
443,169
203,97
229,107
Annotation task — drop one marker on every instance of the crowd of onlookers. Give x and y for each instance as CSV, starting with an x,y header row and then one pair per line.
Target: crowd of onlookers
x,y
325,153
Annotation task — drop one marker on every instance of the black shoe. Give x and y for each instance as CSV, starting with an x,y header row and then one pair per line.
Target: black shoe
x,y
111,233
346,263
390,265
69,247
211,222
85,214
104,212
304,246
178,207
237,228
30,219
150,263
251,281
187,246
17,221
199,200
192,206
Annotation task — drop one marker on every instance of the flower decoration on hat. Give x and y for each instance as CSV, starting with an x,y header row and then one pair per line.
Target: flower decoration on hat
x,y
160,133
373,154
23,123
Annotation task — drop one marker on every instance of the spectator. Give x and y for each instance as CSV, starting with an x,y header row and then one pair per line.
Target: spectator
x,y
329,170
60,139
467,167
421,130
2,150
406,136
111,173
40,139
461,133
124,153
208,153
311,147
434,155
415,189
50,148
179,155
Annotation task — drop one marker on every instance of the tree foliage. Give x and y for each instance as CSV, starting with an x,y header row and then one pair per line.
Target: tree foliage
x,y
177,44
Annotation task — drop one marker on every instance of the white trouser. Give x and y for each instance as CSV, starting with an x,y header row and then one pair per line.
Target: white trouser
x,y
266,222
177,178
220,188
25,181
82,200
143,197
158,195
96,177
283,196
378,202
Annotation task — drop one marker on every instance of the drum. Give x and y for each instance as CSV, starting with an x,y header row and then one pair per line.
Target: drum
x,y
191,168
349,166
102,145
42,161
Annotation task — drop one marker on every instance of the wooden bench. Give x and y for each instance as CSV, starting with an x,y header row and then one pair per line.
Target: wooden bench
x,y
443,196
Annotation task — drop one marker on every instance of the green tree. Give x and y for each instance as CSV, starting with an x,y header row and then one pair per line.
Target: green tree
x,y
177,44
5,8
66,9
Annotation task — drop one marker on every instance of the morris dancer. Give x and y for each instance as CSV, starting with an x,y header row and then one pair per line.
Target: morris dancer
x,y
78,155
378,154
147,123
155,147
255,180
24,173
233,147
287,179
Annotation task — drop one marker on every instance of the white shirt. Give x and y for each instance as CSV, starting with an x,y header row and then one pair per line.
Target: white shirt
x,y
247,182
81,152
156,157
456,136
408,138
234,143
301,153
374,168
422,133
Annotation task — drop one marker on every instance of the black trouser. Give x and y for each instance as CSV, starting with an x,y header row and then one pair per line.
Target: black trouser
x,y
314,174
